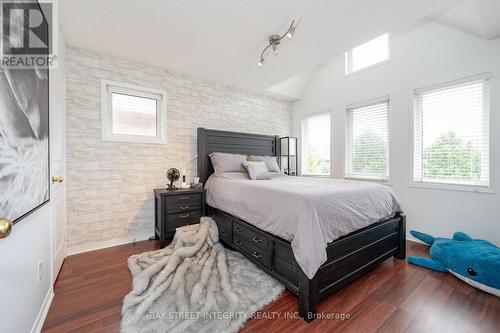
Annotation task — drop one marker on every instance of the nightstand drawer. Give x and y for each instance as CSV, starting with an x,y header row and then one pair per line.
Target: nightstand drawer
x,y
177,220
183,202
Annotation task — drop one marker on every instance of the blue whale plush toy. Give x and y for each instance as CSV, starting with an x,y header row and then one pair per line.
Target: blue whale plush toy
x,y
474,261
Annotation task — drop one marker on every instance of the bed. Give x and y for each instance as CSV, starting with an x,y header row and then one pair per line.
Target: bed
x,y
323,249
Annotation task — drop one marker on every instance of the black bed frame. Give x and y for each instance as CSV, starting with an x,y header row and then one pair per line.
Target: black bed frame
x,y
349,257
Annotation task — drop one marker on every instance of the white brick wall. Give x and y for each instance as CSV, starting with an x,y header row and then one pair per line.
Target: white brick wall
x,y
110,184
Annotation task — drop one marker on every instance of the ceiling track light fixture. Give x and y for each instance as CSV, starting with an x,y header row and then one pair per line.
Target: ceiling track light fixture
x,y
275,40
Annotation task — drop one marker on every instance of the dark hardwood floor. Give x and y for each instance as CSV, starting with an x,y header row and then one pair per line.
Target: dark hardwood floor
x,y
395,297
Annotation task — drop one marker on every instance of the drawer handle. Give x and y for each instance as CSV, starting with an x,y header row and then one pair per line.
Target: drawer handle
x,y
184,197
223,232
257,240
237,229
237,242
184,215
183,207
257,255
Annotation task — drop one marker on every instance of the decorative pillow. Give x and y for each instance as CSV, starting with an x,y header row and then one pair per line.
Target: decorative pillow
x,y
271,162
257,170
224,162
233,175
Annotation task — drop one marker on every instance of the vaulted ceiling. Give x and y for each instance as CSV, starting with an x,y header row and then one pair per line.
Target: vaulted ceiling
x,y
221,40
477,17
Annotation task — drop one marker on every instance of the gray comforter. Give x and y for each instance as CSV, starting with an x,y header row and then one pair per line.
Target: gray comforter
x,y
308,212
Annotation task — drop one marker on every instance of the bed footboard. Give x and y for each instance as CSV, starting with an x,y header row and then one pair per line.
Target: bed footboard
x,y
350,257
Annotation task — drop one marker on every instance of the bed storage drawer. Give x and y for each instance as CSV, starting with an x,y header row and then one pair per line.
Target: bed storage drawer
x,y
257,254
224,224
253,238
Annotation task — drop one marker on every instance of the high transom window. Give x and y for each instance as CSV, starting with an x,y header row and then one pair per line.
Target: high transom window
x,y
367,55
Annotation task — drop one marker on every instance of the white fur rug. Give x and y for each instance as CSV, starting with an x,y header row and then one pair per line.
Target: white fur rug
x,y
195,285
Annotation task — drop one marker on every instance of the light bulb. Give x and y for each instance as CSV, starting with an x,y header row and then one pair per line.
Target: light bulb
x,y
260,64
289,35
275,48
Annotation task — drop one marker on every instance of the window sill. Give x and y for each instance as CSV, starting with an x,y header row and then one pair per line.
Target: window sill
x,y
370,180
315,176
362,70
132,139
452,187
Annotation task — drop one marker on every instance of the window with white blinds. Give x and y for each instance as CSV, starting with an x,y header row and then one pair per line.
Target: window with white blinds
x,y
451,133
316,145
367,140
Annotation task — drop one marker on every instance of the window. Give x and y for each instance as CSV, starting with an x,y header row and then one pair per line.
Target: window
x,y
316,145
451,133
367,54
132,114
367,140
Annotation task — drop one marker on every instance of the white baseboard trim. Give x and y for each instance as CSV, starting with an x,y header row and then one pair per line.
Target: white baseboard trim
x,y
415,240
106,244
44,310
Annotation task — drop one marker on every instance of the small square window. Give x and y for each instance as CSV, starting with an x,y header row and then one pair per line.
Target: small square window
x,y
367,54
132,114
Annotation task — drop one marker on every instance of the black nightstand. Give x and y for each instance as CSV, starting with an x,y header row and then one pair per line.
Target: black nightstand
x,y
177,208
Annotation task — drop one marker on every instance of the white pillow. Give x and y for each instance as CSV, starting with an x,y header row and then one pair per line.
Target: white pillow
x,y
271,162
257,170
233,175
225,162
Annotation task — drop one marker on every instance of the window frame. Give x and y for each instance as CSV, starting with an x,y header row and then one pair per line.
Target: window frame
x,y
490,188
348,138
304,140
109,87
348,71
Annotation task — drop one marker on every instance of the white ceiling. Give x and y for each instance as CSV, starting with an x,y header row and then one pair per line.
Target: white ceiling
x,y
294,86
221,40
477,17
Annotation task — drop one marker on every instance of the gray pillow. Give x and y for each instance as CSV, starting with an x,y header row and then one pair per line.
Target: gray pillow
x,y
257,170
224,162
271,162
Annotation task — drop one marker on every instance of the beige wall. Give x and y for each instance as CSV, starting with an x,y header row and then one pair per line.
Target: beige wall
x,y
110,199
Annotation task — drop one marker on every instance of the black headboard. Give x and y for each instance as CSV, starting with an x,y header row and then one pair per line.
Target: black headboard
x,y
210,141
